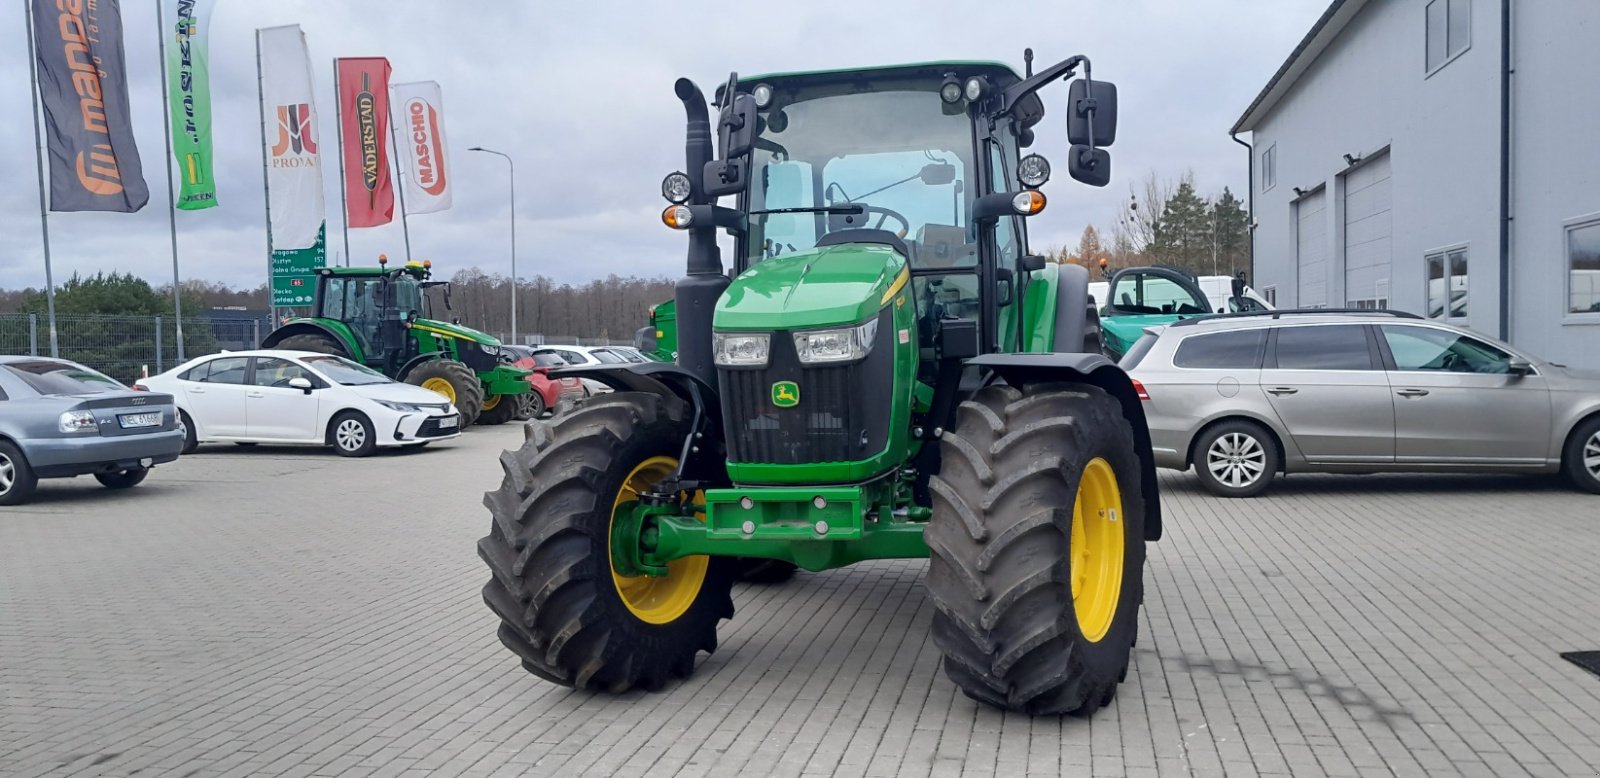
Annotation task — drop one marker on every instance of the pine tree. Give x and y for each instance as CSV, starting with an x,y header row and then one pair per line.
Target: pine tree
x,y
1232,233
1183,233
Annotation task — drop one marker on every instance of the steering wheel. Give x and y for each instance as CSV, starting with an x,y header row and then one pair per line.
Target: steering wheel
x,y
1454,363
885,214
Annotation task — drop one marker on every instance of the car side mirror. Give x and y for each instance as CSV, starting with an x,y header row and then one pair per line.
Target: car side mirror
x,y
302,383
1519,367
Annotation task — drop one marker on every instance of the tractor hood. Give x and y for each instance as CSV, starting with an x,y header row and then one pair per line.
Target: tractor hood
x,y
825,287
455,331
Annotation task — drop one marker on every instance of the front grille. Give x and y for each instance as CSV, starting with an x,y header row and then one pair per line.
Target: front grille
x,y
843,414
430,428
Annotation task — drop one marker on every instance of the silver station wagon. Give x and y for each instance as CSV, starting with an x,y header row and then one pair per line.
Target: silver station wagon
x,y
1242,398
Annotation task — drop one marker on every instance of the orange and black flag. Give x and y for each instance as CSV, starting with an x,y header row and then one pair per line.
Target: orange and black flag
x,y
83,84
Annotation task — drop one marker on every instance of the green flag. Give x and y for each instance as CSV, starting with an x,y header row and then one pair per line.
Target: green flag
x,y
189,81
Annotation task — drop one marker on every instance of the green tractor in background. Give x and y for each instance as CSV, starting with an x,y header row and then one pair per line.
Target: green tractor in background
x,y
659,339
382,317
885,373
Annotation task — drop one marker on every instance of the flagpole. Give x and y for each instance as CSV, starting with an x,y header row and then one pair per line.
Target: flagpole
x,y
399,180
172,206
266,179
38,158
338,126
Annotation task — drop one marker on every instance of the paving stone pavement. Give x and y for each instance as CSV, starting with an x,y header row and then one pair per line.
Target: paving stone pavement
x,y
285,612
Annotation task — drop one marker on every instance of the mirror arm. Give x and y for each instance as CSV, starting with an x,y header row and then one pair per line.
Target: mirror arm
x,y
1015,93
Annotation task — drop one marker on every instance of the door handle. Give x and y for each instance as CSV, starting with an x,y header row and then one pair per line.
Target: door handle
x,y
196,390
1412,392
1282,390
255,394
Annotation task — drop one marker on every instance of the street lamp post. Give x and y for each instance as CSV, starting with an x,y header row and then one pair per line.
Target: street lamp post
x,y
513,171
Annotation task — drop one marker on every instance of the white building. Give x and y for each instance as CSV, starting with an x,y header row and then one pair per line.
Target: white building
x,y
1412,151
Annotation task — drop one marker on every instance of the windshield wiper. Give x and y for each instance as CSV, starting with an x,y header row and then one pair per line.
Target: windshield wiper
x,y
850,210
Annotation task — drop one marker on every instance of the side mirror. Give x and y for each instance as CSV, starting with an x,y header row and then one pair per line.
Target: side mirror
x,y
736,136
1089,165
1092,111
1032,263
1519,367
302,383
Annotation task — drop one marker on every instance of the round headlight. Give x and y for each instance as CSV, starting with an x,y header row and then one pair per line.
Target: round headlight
x,y
676,188
1027,203
763,95
950,92
974,89
1033,171
678,217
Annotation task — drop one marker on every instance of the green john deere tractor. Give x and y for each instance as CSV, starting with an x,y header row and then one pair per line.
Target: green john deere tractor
x,y
382,318
885,373
658,340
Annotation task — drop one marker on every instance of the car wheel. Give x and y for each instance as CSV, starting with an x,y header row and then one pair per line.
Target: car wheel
x,y
17,480
352,435
191,440
1582,457
122,479
536,406
1236,459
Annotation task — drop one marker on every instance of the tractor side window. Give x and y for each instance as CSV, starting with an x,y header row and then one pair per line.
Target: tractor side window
x,y
785,185
333,298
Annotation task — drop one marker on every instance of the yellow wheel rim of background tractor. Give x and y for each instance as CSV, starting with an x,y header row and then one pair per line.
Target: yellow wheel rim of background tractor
x,y
441,386
491,401
656,599
1097,550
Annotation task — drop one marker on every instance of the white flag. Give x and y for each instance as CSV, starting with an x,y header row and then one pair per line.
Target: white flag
x,y
421,125
294,168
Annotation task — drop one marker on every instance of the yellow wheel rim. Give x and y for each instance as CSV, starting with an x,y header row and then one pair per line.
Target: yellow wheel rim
x,y
656,599
442,386
491,401
1097,550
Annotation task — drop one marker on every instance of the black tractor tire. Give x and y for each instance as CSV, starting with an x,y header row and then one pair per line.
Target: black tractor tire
x,y
463,382
1001,548
23,481
503,411
1582,447
548,548
123,479
314,342
191,439
1246,453
763,571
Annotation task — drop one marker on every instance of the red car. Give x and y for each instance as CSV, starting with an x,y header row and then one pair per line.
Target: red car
x,y
547,392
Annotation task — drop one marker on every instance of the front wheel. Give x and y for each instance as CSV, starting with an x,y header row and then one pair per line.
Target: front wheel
x,y
564,610
499,409
455,382
123,479
351,434
17,481
1037,548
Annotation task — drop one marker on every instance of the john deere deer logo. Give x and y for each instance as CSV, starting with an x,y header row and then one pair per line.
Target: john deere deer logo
x,y
786,394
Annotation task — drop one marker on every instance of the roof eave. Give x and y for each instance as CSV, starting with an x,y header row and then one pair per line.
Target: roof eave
x,y
1322,34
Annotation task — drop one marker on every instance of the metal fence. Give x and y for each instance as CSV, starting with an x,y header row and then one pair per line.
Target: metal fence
x,y
124,347
562,340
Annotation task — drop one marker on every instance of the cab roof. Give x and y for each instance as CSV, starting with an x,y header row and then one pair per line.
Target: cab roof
x,y
999,72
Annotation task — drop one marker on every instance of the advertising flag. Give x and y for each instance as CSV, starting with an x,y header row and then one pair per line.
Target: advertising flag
x,y
189,85
294,168
83,84
419,113
364,111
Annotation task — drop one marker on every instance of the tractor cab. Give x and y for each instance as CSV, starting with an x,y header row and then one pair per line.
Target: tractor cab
x,y
377,304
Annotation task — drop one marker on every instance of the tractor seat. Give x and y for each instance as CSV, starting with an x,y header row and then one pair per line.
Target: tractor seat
x,y
944,245
865,235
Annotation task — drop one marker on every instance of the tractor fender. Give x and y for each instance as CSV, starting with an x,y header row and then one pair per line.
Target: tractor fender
x,y
1075,313
670,379
1094,370
411,364
310,327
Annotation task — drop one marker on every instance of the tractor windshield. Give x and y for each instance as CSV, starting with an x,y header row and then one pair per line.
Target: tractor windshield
x,y
889,146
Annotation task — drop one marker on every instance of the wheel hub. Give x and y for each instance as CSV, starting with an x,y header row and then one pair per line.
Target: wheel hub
x,y
1236,459
441,386
653,599
1591,455
1098,544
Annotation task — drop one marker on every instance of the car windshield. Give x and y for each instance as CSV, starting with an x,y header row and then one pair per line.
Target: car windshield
x,y
346,373
888,145
606,357
57,378
1146,293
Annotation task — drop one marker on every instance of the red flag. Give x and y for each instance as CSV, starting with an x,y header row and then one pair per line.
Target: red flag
x,y
364,110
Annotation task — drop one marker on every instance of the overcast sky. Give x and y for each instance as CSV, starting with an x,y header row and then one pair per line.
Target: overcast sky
x,y
581,95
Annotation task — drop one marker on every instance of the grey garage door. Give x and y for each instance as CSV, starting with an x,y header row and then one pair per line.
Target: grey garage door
x,y
1368,259
1311,249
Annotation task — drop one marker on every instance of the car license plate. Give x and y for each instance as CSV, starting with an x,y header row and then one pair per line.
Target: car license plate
x,y
447,422
136,420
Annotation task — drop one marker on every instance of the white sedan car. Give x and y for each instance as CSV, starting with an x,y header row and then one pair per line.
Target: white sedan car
x,y
301,398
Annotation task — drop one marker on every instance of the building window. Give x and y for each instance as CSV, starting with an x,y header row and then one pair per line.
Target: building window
x,y
1370,304
1269,167
1449,31
1447,283
1583,268
1270,294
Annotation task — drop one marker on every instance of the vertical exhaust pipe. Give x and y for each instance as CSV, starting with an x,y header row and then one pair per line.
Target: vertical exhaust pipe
x,y
704,283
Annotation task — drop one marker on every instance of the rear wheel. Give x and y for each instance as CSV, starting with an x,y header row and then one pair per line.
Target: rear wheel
x,y
17,481
563,609
1037,548
1235,459
455,381
314,342
499,409
533,406
1582,459
123,479
191,439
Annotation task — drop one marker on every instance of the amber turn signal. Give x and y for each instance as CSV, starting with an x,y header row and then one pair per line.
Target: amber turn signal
x,y
678,217
1028,203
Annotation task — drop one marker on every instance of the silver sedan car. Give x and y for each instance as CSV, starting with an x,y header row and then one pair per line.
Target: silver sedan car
x,y
1243,398
59,419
